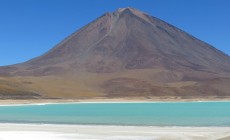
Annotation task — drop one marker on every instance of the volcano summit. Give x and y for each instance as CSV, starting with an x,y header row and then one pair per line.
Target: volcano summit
x,y
127,53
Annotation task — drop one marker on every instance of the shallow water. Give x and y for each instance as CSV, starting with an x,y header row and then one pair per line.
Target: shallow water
x,y
152,114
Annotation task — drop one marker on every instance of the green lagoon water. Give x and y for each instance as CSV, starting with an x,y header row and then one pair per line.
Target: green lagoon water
x,y
150,114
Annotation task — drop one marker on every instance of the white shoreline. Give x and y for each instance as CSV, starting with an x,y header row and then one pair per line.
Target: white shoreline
x,y
107,102
99,132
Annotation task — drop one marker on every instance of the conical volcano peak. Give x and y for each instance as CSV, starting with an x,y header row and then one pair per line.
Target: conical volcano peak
x,y
130,10
129,39
127,8
125,53
133,12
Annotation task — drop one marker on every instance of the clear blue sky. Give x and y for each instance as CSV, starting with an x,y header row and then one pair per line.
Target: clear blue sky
x,y
29,28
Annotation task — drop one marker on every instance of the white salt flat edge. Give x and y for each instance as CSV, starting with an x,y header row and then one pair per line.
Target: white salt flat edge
x,y
99,132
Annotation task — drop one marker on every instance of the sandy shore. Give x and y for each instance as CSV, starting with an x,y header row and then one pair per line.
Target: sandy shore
x,y
104,100
86,132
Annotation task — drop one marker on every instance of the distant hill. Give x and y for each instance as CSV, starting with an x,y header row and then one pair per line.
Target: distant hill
x,y
127,53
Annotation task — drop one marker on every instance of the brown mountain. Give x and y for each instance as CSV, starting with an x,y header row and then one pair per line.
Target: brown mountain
x,y
126,53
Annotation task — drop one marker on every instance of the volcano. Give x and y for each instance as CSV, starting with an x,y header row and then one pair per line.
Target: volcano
x,y
127,53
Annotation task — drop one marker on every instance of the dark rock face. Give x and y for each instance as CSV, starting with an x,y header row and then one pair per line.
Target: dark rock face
x,y
129,39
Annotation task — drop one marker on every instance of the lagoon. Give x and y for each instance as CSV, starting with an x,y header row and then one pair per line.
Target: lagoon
x,y
137,114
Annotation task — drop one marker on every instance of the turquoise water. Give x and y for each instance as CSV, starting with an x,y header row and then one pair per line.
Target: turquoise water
x,y
151,114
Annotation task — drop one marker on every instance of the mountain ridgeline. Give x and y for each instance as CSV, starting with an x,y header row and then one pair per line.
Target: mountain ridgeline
x,y
127,53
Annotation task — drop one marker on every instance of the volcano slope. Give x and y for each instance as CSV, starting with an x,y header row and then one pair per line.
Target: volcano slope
x,y
124,54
